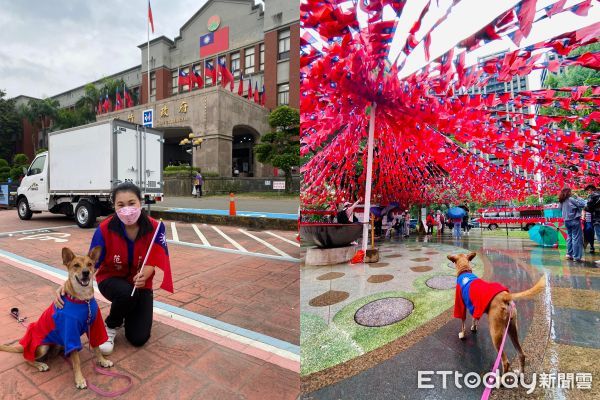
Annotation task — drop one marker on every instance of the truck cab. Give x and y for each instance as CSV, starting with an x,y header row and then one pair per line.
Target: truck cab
x,y
32,194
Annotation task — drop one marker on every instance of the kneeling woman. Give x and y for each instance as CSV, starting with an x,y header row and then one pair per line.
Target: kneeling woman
x,y
125,239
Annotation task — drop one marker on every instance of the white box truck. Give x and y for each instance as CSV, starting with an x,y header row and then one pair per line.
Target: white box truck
x,y
83,164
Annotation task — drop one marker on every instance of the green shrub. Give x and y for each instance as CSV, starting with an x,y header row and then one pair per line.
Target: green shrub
x,y
3,163
16,173
41,150
20,159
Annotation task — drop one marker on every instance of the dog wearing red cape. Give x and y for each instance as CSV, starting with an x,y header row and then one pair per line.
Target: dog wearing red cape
x,y
479,297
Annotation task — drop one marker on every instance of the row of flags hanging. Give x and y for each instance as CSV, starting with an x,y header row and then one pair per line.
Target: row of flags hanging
x,y
105,103
227,80
439,136
193,79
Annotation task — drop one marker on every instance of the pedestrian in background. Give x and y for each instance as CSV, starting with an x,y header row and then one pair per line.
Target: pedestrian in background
x,y
593,208
571,208
198,182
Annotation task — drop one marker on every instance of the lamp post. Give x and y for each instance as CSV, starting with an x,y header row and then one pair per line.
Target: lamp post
x,y
188,144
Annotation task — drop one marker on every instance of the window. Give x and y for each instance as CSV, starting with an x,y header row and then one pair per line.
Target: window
x,y
262,57
174,85
152,86
284,45
249,61
37,167
235,65
283,94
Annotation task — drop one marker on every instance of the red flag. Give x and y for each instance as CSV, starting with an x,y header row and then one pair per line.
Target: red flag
x,y
263,97
241,88
118,101
128,99
525,15
183,79
256,100
209,67
196,76
249,89
150,20
214,42
159,257
226,76
99,109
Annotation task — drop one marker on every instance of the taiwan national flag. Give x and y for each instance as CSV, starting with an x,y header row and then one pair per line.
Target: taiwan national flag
x,y
118,101
214,42
263,96
183,78
198,78
210,68
159,257
226,76
256,100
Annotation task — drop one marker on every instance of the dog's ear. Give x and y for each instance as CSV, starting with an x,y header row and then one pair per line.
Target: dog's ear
x,y
67,256
452,258
94,253
471,255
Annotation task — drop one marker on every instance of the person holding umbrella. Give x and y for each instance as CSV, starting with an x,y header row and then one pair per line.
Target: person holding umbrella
x,y
456,215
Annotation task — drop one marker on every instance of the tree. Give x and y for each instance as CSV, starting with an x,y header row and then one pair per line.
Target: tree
x,y
40,114
574,76
10,126
281,146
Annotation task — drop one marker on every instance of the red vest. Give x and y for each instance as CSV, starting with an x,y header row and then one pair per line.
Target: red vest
x,y
116,260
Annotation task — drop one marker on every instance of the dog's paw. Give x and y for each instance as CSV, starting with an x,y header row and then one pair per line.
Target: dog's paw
x,y
461,335
80,383
104,363
42,367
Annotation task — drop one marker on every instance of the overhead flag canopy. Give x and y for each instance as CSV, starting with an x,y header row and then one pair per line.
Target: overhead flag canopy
x,y
440,136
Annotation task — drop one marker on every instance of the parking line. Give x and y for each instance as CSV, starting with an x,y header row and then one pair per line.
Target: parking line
x,y
230,240
269,245
282,238
174,231
279,349
200,235
234,251
37,230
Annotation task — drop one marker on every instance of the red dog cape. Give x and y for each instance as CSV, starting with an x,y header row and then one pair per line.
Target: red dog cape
x,y
474,294
64,327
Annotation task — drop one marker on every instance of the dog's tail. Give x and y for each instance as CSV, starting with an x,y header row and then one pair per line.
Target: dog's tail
x,y
11,349
540,284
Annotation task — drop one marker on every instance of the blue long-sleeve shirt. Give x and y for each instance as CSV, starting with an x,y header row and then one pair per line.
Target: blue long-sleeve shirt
x,y
571,208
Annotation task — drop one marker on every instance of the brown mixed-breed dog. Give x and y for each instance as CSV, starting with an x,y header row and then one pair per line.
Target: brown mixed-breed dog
x,y
79,287
496,304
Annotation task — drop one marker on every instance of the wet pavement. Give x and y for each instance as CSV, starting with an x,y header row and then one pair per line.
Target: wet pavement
x,y
557,339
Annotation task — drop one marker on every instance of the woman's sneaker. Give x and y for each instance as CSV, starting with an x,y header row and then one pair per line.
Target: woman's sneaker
x,y
107,347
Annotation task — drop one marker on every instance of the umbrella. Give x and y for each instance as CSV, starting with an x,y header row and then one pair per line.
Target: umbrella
x,y
543,235
376,211
390,207
456,212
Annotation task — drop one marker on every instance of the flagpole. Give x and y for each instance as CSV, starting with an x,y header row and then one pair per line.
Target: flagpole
x,y
367,208
148,252
148,61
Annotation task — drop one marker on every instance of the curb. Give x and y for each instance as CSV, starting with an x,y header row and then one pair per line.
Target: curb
x,y
245,222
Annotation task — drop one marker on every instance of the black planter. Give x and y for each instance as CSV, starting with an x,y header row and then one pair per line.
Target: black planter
x,y
327,236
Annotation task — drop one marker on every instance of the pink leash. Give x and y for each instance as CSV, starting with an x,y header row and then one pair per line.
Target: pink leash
x,y
488,389
101,371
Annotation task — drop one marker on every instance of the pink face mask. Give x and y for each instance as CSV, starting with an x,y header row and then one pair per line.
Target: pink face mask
x,y
129,215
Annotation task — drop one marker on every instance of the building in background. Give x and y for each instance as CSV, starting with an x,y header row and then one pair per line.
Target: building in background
x,y
259,45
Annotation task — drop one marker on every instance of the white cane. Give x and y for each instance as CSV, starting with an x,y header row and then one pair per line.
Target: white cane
x,y
148,253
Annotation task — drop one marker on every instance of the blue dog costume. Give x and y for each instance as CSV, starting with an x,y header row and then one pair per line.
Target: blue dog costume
x,y
65,326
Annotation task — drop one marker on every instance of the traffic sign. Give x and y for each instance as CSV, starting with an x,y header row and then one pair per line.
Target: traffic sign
x,y
148,118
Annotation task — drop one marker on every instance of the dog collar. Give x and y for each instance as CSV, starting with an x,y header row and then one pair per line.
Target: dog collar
x,y
74,300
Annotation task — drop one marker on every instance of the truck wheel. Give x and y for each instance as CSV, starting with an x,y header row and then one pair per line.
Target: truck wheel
x,y
85,214
492,227
23,209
